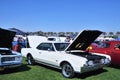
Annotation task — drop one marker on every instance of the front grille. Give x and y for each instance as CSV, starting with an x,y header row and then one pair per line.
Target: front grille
x,y
96,61
4,59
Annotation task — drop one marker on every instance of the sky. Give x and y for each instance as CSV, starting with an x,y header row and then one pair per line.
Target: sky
x,y
60,15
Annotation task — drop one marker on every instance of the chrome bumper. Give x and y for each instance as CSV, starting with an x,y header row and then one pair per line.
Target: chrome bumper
x,y
10,65
91,68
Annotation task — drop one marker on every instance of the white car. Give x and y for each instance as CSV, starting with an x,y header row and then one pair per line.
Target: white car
x,y
71,58
8,58
51,38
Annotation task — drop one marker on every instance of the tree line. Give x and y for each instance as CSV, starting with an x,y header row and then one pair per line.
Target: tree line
x,y
63,34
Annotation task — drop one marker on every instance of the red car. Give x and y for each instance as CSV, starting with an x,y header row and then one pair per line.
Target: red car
x,y
111,48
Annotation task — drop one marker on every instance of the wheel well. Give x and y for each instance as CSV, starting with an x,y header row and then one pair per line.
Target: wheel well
x,y
64,63
29,54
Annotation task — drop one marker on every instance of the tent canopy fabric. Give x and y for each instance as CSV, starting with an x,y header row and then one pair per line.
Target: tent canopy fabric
x,y
18,32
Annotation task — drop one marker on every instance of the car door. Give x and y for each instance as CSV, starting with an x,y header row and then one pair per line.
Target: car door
x,y
116,54
47,54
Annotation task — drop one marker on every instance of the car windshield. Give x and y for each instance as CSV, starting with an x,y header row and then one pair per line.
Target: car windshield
x,y
104,45
61,46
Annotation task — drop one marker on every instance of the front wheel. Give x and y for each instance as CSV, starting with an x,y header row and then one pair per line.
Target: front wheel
x,y
30,60
67,70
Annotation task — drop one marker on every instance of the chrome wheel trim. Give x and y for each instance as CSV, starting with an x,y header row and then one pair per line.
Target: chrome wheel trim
x,y
67,70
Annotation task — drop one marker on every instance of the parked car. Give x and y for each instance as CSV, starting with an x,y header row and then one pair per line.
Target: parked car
x,y
8,58
94,45
111,48
71,58
51,38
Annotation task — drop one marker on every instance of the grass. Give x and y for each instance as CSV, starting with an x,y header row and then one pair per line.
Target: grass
x,y
40,72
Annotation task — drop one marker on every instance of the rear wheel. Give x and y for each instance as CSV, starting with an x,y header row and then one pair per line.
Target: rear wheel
x,y
67,70
30,60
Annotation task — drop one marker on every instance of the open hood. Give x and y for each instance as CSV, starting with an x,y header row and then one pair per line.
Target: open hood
x,y
6,38
83,40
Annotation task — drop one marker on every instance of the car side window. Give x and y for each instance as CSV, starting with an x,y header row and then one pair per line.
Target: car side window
x,y
61,46
46,46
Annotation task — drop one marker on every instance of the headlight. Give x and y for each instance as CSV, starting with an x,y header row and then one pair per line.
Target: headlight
x,y
102,61
19,58
107,61
90,63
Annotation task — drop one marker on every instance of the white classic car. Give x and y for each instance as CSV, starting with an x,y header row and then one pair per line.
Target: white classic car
x,y
71,58
8,58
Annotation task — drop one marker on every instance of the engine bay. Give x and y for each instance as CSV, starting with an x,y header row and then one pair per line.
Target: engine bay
x,y
5,52
88,55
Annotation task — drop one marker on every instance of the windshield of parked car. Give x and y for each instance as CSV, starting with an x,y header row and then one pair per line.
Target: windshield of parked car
x,y
61,46
104,45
